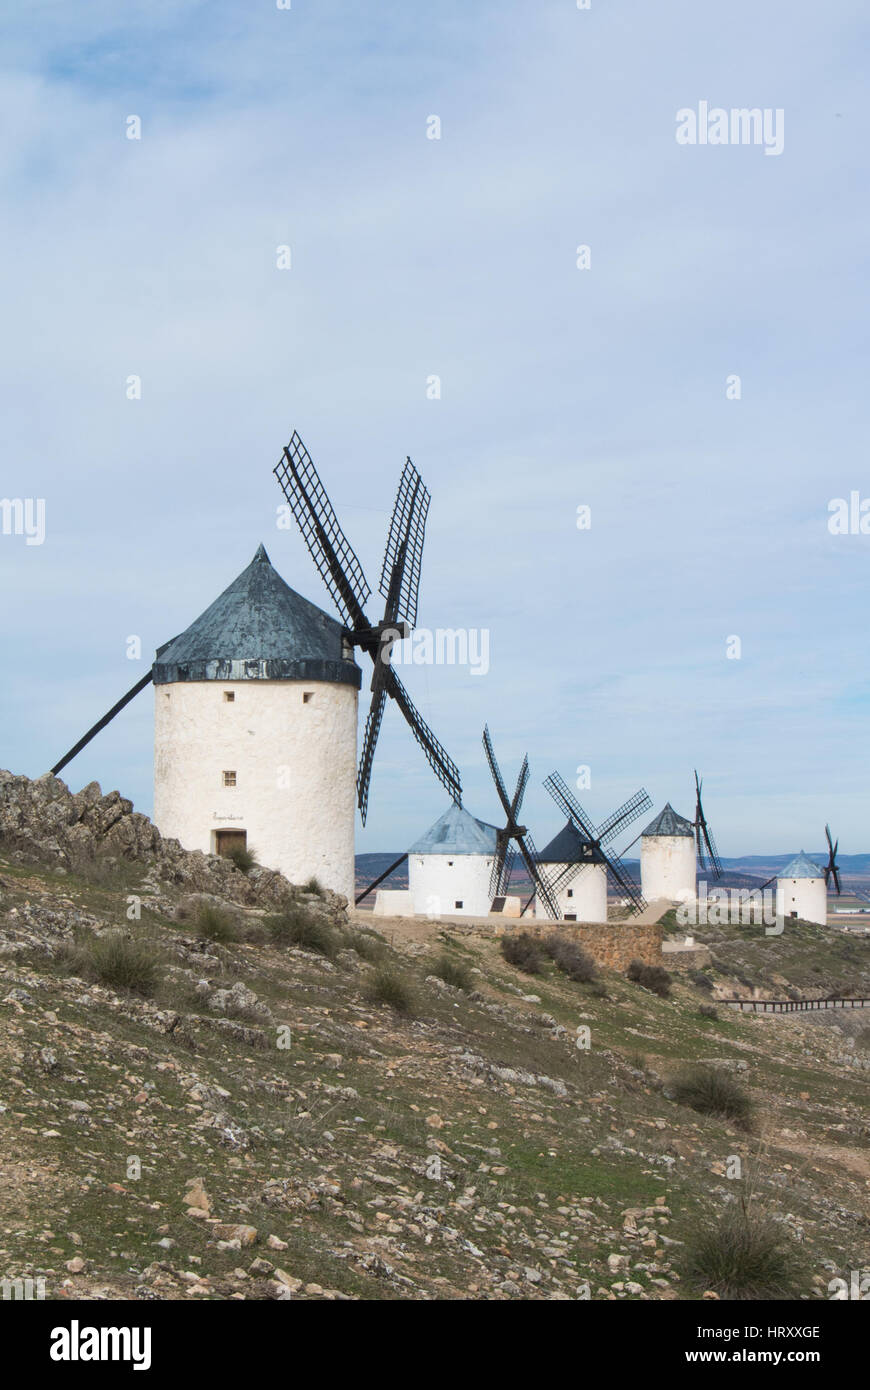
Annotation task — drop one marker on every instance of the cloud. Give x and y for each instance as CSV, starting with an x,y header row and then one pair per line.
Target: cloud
x,y
559,386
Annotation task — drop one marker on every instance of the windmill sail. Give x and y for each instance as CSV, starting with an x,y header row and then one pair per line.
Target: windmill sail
x,y
590,847
514,834
342,573
704,842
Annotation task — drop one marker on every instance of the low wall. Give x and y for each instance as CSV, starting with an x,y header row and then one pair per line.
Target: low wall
x,y
612,945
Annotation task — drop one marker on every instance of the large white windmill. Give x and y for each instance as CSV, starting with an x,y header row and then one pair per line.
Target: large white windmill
x,y
256,702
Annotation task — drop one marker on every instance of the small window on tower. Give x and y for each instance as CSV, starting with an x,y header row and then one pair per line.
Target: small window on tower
x,y
450,863
570,892
307,697
570,916
229,779
458,902
229,696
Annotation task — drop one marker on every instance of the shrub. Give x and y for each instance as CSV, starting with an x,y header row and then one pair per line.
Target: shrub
x,y
636,1060
743,1255
711,1091
708,1011
522,950
116,960
388,986
570,957
214,924
652,977
255,932
243,858
452,972
313,885
701,980
296,927
366,944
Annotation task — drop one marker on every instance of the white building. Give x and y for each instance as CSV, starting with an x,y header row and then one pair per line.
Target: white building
x,y
450,867
582,896
255,721
801,891
668,864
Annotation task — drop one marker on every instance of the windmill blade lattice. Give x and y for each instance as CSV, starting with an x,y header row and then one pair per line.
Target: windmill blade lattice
x,y
400,572
590,849
831,869
704,842
343,575
328,546
515,834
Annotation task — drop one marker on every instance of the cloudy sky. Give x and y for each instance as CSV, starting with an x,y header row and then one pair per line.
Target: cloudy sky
x,y
561,387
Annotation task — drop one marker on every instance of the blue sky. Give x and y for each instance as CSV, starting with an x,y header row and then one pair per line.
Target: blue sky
x,y
560,387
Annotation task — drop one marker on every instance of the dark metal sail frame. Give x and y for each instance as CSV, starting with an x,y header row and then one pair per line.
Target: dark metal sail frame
x,y
832,870
591,850
342,572
514,834
704,842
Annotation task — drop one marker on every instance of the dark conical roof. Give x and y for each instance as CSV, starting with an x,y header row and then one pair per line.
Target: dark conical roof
x,y
568,846
668,822
258,629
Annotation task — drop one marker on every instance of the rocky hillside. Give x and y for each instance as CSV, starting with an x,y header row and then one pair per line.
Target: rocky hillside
x,y
254,1097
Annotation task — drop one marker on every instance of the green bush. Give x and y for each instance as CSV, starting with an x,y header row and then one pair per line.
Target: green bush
x,y
652,977
243,858
522,950
708,1011
388,986
214,924
712,1091
296,927
743,1255
453,972
570,957
701,980
313,885
116,960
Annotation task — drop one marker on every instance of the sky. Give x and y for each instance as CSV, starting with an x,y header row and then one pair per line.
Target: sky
x,y
611,647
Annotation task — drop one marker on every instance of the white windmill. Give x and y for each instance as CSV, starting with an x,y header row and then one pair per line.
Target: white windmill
x,y
256,702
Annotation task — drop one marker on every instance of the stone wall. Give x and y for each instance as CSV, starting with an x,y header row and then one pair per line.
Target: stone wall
x,y
612,945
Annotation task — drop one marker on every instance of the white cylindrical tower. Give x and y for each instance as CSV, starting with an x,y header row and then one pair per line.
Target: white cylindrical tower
x,y
255,722
667,858
450,867
801,891
582,895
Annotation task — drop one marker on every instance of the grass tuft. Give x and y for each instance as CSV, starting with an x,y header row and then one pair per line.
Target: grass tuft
x,y
244,859
743,1255
389,986
710,1091
214,924
453,972
116,960
296,927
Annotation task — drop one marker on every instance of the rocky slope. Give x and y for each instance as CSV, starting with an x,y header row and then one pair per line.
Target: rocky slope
x,y
255,1125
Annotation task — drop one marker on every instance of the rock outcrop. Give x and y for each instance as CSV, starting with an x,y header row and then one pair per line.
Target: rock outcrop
x,y
42,821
